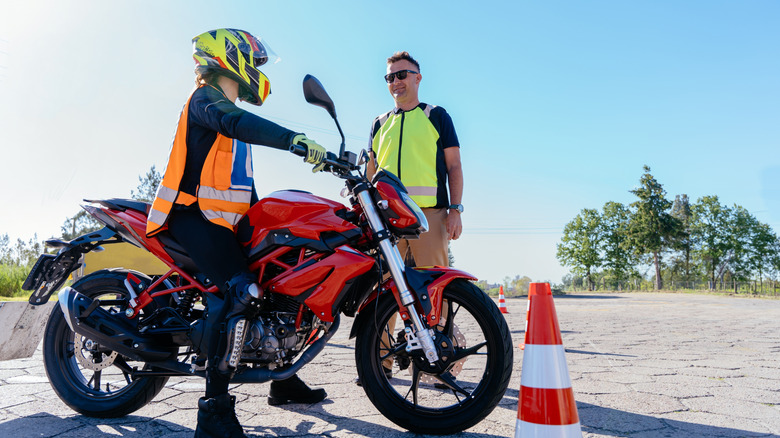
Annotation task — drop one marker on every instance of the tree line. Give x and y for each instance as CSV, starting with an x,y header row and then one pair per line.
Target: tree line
x,y
17,258
704,241
513,286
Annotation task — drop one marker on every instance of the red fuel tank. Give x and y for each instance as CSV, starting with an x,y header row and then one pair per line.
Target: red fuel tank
x,y
294,213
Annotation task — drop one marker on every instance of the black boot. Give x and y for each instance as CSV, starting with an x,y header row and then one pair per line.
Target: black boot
x,y
217,418
293,390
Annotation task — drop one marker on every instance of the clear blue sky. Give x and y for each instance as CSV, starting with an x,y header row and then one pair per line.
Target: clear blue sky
x,y
557,104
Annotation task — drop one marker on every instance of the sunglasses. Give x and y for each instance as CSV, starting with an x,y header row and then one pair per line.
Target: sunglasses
x,y
401,74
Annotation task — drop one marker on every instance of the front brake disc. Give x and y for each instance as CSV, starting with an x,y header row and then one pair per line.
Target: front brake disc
x,y
457,367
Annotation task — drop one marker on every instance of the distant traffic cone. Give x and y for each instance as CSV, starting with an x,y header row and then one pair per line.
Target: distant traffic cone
x,y
501,300
546,406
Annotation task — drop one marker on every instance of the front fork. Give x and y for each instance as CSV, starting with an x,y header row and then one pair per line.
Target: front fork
x,y
397,269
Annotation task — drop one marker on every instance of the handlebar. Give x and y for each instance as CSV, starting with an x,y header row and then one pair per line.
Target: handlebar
x,y
298,150
332,162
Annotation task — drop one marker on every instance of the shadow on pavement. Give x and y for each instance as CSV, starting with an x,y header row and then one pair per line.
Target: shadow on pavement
x,y
341,423
131,426
594,419
591,353
589,296
614,422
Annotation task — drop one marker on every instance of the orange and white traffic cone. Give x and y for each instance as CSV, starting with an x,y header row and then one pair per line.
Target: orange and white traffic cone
x,y
546,406
501,300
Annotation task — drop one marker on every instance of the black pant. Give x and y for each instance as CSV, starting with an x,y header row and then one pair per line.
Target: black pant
x,y
216,252
212,247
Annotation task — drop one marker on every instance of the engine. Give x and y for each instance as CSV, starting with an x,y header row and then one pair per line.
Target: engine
x,y
272,338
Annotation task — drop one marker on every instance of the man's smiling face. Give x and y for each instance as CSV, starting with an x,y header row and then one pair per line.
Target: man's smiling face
x,y
404,91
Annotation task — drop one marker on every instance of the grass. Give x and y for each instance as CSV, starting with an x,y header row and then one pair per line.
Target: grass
x,y
683,291
11,280
15,298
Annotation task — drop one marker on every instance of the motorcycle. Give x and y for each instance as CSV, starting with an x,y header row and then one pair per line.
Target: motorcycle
x,y
118,335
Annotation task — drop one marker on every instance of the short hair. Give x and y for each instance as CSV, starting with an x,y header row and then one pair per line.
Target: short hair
x,y
397,56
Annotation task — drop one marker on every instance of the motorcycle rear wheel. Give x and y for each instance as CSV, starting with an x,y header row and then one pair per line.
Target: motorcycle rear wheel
x,y
89,379
419,400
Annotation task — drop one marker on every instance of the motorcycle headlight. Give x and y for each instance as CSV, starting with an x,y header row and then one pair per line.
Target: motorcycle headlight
x,y
423,221
403,216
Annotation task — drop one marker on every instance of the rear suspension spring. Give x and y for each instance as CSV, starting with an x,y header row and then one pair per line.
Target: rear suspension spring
x,y
187,302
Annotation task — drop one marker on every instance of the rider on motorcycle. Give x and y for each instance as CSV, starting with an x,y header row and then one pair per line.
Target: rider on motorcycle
x,y
206,188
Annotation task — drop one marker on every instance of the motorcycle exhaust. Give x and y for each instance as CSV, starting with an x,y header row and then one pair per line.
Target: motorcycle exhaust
x,y
111,330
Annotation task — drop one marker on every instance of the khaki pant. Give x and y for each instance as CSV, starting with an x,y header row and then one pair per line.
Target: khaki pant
x,y
430,249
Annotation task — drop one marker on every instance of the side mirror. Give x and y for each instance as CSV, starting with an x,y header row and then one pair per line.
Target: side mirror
x,y
315,94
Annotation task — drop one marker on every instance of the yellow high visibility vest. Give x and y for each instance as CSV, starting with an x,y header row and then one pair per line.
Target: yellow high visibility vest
x,y
225,190
405,144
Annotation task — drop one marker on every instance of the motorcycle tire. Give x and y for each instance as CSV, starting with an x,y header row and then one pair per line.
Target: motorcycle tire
x,y
86,377
421,401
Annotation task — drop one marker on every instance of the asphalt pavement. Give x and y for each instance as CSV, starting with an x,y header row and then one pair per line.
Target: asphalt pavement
x,y
642,365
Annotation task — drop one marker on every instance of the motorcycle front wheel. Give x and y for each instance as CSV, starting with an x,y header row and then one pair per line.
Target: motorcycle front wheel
x,y
475,350
90,379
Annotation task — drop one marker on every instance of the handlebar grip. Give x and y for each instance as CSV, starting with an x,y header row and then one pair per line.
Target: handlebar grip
x,y
298,150
331,160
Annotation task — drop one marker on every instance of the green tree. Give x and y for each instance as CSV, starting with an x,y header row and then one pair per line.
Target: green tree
x,y
79,224
26,253
683,244
147,187
579,247
520,284
773,260
739,237
15,263
652,227
569,281
82,222
763,250
618,257
709,235
6,254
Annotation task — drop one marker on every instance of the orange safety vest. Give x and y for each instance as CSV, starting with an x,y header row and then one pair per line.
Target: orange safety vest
x,y
225,190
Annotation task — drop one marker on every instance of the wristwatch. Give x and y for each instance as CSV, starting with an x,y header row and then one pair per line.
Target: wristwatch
x,y
458,207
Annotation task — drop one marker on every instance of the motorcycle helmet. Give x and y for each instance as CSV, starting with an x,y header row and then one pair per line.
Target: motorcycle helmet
x,y
238,55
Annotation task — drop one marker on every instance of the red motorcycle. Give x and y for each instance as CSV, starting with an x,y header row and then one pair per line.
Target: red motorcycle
x,y
118,335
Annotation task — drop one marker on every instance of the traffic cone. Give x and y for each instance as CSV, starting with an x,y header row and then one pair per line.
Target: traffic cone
x,y
501,300
546,406
527,315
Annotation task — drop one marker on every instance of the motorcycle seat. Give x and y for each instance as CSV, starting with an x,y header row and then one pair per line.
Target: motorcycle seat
x,y
123,204
177,252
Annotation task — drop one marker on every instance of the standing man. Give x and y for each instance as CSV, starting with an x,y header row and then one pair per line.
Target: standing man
x,y
417,142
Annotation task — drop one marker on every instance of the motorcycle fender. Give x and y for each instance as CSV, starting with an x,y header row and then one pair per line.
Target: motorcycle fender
x,y
428,284
21,328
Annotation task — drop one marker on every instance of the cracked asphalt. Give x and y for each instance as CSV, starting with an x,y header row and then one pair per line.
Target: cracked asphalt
x,y
642,365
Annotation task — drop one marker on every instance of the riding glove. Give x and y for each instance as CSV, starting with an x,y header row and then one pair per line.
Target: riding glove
x,y
314,152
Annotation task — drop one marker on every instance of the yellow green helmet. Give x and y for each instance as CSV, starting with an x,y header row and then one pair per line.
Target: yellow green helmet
x,y
238,55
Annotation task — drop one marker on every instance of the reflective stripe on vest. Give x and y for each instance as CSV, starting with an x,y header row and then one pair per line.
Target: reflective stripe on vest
x,y
405,144
225,189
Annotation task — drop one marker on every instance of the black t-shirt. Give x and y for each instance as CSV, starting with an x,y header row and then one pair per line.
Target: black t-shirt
x,y
211,113
442,122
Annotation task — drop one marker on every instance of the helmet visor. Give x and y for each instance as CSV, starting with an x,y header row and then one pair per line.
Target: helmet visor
x,y
257,53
